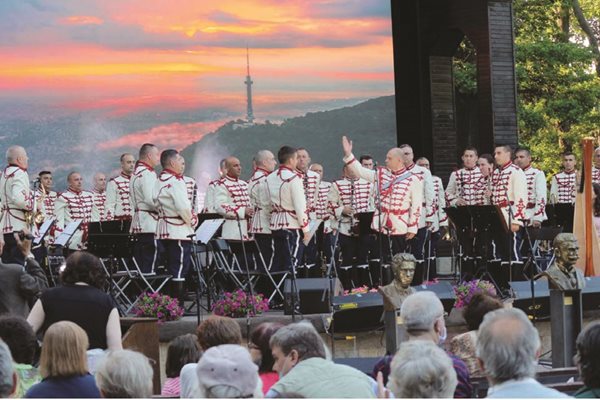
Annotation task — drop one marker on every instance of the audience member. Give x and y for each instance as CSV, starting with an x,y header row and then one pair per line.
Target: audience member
x,y
227,371
421,369
21,340
213,331
464,345
8,377
19,286
260,350
588,361
81,300
125,374
63,364
508,346
182,350
423,316
300,359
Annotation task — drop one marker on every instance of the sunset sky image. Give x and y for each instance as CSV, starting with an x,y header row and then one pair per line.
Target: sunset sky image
x,y
106,76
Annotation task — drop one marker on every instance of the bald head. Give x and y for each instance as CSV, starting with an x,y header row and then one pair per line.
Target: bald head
x,y
318,168
233,167
99,182
265,159
393,159
17,155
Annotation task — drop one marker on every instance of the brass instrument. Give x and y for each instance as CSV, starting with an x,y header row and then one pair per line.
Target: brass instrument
x,y
36,216
354,223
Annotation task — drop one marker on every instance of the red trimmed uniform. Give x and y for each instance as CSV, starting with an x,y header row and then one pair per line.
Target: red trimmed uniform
x,y
231,201
98,211
466,183
562,187
261,220
536,195
71,206
117,204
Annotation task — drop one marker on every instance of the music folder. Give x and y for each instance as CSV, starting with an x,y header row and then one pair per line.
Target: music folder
x,y
67,233
207,229
43,231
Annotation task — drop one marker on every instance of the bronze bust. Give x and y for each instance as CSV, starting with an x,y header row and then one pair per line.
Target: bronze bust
x,y
562,273
403,267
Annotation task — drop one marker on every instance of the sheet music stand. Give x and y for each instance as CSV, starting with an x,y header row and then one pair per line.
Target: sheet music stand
x,y
65,236
43,231
208,226
560,215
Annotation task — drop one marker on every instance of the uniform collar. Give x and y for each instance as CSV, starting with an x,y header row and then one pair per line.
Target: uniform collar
x,y
171,172
231,178
527,167
401,170
508,164
470,169
16,166
124,175
97,191
569,173
264,171
296,171
137,164
411,166
74,191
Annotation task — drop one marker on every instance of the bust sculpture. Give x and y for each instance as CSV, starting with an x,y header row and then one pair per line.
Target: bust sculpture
x,y
403,267
562,273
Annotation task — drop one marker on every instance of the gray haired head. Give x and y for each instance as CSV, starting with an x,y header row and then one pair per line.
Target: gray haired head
x,y
6,371
507,344
420,310
420,369
302,337
125,374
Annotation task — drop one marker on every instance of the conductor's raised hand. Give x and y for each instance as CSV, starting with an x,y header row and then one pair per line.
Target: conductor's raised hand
x,y
347,146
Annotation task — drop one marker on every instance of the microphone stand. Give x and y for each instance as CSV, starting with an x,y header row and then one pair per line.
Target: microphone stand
x,y
534,268
293,286
251,289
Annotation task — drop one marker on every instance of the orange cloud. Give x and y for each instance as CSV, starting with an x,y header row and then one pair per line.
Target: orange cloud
x,y
81,20
175,135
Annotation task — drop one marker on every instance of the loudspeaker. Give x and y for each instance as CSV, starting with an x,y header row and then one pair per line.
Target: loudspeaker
x,y
312,295
357,312
523,299
444,292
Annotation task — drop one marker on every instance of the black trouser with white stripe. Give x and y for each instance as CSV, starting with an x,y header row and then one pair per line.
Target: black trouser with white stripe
x,y
265,244
287,244
179,257
146,252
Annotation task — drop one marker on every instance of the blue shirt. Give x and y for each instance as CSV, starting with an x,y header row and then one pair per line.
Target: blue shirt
x,y
82,386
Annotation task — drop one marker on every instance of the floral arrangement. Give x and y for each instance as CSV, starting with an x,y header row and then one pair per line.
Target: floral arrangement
x,y
359,290
238,304
466,290
157,305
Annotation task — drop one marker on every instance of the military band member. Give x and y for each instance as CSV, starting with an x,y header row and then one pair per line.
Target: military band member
x,y
323,240
99,192
175,219
264,162
289,218
17,200
440,219
401,194
347,197
483,188
596,167
45,191
367,161
145,213
535,213
563,185
192,190
509,192
117,204
232,202
72,205
464,185
209,197
427,216
310,182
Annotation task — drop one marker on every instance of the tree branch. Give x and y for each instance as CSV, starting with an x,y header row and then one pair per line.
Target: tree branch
x,y
587,29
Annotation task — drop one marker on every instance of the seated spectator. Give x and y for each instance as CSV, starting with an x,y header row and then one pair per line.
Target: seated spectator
x,y
125,374
19,287
63,364
227,371
423,316
508,346
588,361
300,359
260,350
21,340
81,300
463,345
182,350
421,369
213,331
8,376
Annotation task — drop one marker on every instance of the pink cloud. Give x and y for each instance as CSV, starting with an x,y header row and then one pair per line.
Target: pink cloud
x,y
81,20
174,135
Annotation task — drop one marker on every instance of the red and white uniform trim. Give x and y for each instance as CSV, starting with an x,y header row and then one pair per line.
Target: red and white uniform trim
x,y
536,194
141,188
117,204
509,189
16,198
231,201
466,183
310,183
357,194
261,201
563,187
288,202
439,203
321,206
98,211
71,206
175,218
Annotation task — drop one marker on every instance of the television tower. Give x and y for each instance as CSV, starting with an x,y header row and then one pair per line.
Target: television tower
x,y
249,112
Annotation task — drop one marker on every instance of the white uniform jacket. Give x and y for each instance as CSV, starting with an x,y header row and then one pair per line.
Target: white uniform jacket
x,y
175,218
16,198
563,187
98,211
357,194
117,205
439,203
288,202
310,183
536,194
71,206
231,200
466,183
321,206
141,192
509,189
401,194
260,201
428,194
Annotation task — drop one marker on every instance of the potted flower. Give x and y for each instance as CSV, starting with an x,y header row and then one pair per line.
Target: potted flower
x,y
239,304
157,305
466,290
359,290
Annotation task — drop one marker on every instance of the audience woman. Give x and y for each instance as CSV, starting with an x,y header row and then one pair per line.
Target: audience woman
x,y
125,374
588,361
182,350
8,377
464,345
421,369
21,340
81,300
260,351
63,364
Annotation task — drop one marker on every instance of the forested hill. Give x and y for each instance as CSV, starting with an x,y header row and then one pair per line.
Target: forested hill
x,y
371,125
